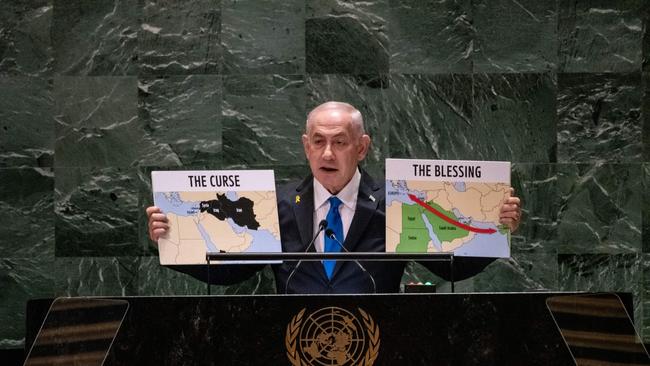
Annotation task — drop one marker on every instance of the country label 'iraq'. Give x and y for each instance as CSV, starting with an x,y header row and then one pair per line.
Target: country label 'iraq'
x,y
240,211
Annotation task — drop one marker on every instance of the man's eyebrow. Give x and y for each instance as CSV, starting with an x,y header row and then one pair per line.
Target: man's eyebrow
x,y
340,134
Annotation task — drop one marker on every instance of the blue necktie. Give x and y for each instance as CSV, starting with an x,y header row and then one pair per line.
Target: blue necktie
x,y
335,223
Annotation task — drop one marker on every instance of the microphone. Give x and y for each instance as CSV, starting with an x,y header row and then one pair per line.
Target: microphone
x,y
330,234
322,225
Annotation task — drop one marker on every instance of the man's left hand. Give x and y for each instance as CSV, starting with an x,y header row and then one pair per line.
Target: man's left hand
x,y
511,211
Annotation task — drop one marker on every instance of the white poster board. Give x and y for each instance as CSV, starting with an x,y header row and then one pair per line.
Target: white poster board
x,y
447,206
216,211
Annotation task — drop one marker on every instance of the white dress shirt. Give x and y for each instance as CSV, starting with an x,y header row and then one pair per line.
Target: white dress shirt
x,y
348,196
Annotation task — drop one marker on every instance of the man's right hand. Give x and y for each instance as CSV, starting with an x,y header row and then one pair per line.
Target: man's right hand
x,y
158,224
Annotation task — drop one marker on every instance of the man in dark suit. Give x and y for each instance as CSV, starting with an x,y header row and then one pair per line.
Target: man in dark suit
x,y
353,205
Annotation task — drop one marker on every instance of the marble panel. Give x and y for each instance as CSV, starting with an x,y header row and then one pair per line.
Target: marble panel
x,y
289,173
364,92
518,111
108,276
262,283
96,212
600,36
21,279
429,115
260,37
25,42
514,36
346,37
97,123
516,114
604,273
26,123
430,36
95,37
376,170
645,210
263,118
522,272
182,115
645,285
156,280
180,37
645,113
27,205
645,47
599,117
536,185
600,208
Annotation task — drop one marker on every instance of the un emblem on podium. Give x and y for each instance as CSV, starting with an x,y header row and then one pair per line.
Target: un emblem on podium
x,y
332,336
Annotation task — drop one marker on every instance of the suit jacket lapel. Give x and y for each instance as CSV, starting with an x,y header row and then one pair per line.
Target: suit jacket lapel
x,y
366,207
304,214
303,209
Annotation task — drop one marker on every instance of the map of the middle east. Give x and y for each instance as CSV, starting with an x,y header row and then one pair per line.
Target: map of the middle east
x,y
208,212
446,206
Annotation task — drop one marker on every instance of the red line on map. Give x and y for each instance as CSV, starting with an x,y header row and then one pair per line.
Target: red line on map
x,y
450,220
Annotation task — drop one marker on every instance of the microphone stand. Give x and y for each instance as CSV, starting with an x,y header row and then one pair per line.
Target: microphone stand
x,y
330,234
322,225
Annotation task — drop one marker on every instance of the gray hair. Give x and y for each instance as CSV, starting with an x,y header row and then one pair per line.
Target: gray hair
x,y
357,118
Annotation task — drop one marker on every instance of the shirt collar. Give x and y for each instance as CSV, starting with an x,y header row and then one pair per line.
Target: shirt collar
x,y
348,195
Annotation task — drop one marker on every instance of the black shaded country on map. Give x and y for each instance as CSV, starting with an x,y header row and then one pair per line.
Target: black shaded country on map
x,y
240,211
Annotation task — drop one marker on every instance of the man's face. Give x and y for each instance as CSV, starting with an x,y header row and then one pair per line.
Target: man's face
x,y
334,147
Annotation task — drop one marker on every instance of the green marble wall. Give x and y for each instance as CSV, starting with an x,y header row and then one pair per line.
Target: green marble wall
x,y
94,94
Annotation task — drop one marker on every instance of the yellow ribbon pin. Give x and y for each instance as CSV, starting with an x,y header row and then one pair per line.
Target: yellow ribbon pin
x,y
297,199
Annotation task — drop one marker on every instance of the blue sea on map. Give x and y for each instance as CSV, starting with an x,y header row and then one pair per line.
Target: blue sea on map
x,y
398,191
484,246
432,235
171,202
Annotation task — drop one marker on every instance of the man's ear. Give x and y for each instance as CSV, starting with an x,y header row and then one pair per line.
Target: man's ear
x,y
364,145
305,145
